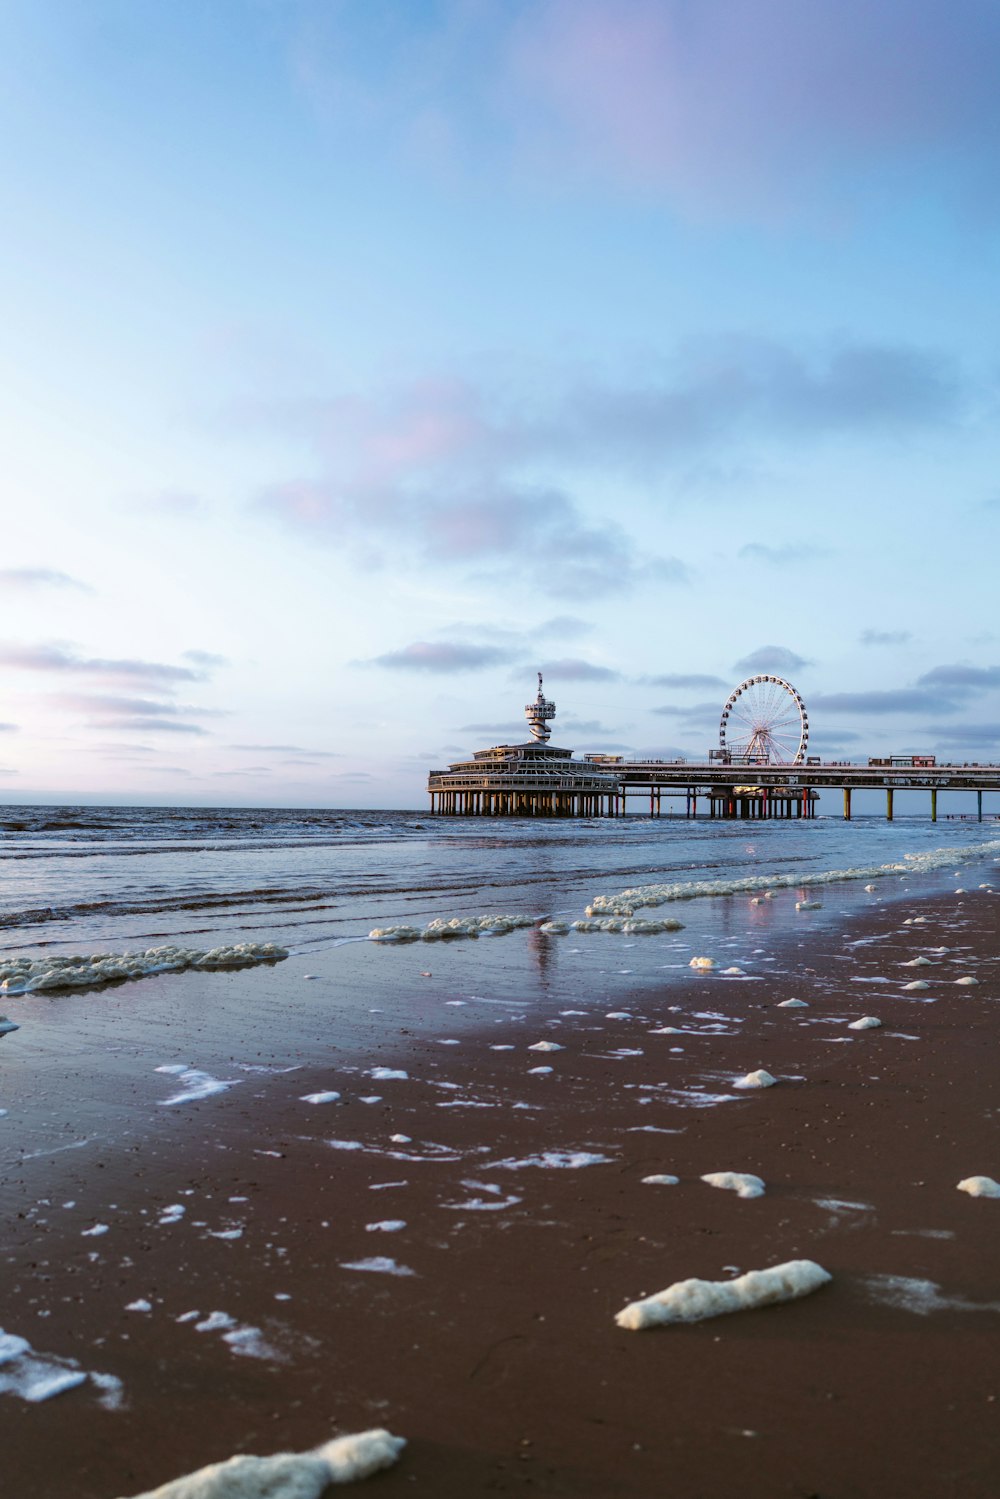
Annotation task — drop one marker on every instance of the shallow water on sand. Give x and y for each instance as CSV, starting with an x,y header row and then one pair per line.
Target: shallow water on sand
x,y
116,877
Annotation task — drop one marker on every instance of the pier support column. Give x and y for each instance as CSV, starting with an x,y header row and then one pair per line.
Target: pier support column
x,y
979,803
847,803
933,804
888,804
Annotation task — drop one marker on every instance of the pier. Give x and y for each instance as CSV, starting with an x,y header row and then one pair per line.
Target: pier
x,y
760,770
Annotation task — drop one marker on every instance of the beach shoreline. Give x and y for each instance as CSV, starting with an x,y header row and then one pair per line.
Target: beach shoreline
x,y
498,1357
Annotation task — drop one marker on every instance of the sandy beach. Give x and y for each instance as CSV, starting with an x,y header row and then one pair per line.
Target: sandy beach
x,y
441,1249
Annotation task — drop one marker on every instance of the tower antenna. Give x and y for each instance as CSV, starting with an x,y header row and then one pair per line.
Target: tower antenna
x,y
538,713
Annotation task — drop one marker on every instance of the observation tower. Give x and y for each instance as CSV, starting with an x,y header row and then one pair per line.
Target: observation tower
x,y
538,713
534,779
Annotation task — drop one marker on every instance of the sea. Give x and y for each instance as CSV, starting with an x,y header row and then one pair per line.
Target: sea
x,y
112,879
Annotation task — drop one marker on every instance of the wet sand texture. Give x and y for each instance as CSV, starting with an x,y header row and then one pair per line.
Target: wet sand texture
x,y
443,1249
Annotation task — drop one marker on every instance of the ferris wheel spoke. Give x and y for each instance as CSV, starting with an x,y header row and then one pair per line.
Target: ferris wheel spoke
x,y
765,722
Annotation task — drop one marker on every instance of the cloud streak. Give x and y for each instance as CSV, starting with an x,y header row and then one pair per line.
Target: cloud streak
x,y
27,578
443,657
58,658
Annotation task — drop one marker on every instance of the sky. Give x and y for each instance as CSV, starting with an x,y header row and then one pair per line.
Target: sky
x,y
362,358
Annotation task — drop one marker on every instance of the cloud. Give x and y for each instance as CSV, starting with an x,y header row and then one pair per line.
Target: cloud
x,y
207,659
885,637
975,735
152,726
476,478
442,656
59,658
39,577
682,680
286,749
772,658
562,625
964,679
573,669
8,728
782,556
535,532
893,700
754,106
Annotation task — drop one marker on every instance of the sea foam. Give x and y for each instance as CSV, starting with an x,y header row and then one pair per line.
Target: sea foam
x,y
288,1475
27,975
695,1300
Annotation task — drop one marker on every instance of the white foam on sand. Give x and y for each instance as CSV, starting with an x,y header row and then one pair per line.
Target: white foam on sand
x,y
808,905
967,980
28,975
35,1377
792,1004
386,1226
545,1046
866,1023
694,1300
628,926
329,1097
378,1264
921,1296
388,1074
660,1181
288,1475
917,984
980,1186
758,1079
196,1084
441,930
744,1183
552,1160
705,963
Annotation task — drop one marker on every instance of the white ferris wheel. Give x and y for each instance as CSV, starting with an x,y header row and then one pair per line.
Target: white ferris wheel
x,y
764,722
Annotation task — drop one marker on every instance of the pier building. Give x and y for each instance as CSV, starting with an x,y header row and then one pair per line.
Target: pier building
x,y
534,779
760,769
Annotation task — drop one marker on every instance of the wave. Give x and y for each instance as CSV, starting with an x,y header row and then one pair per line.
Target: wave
x,y
626,902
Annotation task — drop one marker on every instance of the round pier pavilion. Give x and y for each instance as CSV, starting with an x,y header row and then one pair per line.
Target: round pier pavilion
x,y
534,779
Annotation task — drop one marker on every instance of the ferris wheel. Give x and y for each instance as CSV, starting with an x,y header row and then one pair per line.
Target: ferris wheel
x,y
764,722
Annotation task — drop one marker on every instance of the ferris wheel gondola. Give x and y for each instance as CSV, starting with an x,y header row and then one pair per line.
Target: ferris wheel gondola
x,y
764,722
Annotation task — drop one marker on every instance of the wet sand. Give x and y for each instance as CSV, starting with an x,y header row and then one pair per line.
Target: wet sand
x,y
497,1357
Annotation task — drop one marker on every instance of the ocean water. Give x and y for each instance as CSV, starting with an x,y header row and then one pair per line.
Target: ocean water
x,y
112,878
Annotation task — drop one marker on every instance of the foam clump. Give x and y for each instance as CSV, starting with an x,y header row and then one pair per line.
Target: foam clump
x,y
744,1183
627,902
917,984
634,926
29,975
545,1046
758,1079
695,1300
705,963
402,933
555,928
866,1023
980,1186
808,905
661,1181
967,980
917,963
288,1475
792,1004
734,972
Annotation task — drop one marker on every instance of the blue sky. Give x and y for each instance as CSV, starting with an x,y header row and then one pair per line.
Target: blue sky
x,y
361,357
